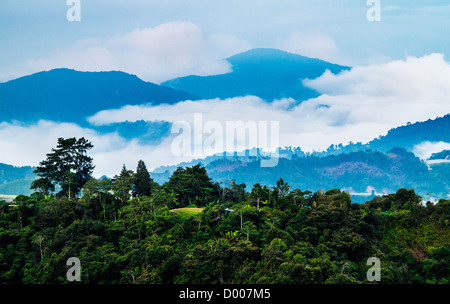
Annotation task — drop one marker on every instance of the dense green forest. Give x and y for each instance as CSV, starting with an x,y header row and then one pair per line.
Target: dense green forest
x,y
129,229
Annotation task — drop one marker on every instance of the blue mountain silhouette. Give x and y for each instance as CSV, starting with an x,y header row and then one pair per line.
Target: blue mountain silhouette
x,y
267,73
66,95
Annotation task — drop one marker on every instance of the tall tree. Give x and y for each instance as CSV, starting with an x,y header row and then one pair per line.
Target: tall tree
x,y
192,185
122,184
67,167
257,193
142,181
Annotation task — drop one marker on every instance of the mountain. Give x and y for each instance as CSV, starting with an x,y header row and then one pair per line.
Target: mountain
x,y
432,130
10,173
71,96
407,137
21,186
15,180
384,165
267,73
360,173
444,154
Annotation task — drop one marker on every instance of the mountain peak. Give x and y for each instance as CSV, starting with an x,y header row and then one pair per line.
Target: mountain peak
x,y
265,53
268,54
263,72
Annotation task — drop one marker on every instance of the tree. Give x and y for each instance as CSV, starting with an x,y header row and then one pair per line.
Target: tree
x,y
98,197
257,193
142,181
67,167
39,239
123,183
281,190
236,192
192,185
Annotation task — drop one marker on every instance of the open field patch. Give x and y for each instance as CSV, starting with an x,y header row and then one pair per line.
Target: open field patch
x,y
187,211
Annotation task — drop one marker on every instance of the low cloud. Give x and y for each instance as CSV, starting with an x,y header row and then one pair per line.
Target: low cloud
x,y
27,145
356,105
394,93
426,149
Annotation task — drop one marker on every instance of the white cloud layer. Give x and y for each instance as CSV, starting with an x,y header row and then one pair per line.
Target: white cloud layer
x,y
356,105
394,93
22,145
426,149
155,54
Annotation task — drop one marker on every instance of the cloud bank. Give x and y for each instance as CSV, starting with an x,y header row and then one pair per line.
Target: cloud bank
x,y
356,105
426,149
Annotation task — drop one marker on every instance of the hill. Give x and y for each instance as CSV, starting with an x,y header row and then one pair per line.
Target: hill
x,y
10,173
21,186
432,130
385,164
15,180
278,235
357,172
71,96
267,73
406,137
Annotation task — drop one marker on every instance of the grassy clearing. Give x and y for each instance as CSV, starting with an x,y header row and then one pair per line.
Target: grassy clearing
x,y
187,211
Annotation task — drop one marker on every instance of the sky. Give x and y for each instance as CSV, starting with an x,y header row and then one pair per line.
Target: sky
x,y
400,66
37,35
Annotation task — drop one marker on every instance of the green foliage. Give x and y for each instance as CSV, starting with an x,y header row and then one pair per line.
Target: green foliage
x,y
187,211
122,184
267,235
67,167
192,185
143,182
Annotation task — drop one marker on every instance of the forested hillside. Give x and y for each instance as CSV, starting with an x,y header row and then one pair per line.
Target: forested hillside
x,y
10,173
354,172
269,235
15,180
412,134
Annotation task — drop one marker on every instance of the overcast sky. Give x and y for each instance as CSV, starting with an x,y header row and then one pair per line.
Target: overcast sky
x,y
36,35
400,74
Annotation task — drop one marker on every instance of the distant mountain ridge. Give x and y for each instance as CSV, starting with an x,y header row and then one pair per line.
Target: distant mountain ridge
x,y
267,73
432,130
406,137
66,95
9,173
16,180
384,165
356,172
